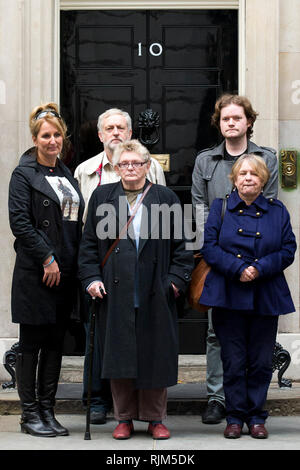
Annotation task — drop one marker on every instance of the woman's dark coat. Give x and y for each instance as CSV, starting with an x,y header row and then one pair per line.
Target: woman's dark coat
x,y
143,346
36,221
259,235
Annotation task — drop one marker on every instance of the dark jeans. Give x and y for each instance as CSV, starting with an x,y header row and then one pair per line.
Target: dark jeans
x,y
101,399
247,344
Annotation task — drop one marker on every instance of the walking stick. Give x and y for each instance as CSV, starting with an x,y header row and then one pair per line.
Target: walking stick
x,y
87,435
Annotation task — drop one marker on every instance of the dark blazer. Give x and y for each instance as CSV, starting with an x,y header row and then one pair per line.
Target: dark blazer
x,y
143,346
36,222
259,235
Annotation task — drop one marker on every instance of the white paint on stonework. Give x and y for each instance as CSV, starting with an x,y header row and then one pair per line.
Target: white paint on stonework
x,y
2,92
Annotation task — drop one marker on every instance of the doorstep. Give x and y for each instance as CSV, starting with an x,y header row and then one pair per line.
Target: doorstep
x,y
183,398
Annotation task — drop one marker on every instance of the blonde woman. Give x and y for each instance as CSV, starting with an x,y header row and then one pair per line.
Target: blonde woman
x,y
43,287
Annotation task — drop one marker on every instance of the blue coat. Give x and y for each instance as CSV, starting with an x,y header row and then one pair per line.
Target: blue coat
x,y
259,235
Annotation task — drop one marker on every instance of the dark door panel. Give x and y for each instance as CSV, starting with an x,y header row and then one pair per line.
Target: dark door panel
x,y
186,129
114,44
187,77
175,62
100,69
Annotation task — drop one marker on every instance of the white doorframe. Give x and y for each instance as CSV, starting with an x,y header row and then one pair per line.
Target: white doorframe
x,y
146,5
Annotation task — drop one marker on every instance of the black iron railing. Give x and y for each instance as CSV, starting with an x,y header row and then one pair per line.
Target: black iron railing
x,y
281,361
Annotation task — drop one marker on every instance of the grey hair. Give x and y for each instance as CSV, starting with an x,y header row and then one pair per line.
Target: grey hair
x,y
112,112
133,146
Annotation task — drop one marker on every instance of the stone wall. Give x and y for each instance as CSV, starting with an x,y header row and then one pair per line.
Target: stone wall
x,y
289,129
29,34
27,77
11,60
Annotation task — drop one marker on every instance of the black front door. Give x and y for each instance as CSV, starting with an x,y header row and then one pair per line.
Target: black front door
x,y
174,62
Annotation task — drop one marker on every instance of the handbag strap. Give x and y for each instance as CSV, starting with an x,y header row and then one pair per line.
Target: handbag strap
x,y
224,207
125,228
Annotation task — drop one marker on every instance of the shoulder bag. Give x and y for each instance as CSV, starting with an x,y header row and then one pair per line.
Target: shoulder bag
x,y
199,275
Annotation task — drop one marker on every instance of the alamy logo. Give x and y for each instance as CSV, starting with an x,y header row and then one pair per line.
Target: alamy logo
x,y
161,221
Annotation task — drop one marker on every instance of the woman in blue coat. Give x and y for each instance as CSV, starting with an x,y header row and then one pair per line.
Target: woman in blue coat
x,y
246,287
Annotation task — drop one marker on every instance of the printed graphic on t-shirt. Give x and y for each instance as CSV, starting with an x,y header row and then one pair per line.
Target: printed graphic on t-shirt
x,y
69,199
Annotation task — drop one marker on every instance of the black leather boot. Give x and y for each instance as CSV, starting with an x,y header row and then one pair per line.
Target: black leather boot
x,y
48,376
31,420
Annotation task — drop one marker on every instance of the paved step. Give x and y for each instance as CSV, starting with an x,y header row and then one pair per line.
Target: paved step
x,y
191,369
183,398
190,439
187,397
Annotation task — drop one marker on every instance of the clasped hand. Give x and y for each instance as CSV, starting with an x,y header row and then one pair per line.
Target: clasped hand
x,y
249,274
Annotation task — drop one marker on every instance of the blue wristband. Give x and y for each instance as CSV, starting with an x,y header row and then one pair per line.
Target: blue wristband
x,y
50,262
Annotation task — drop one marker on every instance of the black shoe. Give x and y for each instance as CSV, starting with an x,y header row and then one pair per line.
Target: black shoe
x,y
31,420
98,417
48,375
214,413
51,421
32,423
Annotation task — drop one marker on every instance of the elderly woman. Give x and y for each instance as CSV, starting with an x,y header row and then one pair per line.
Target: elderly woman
x,y
247,289
142,276
47,235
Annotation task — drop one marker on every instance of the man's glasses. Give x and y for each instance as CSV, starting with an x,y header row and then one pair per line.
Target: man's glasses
x,y
133,164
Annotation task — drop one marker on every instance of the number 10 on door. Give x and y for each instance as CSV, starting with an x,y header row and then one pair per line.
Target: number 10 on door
x,y
155,49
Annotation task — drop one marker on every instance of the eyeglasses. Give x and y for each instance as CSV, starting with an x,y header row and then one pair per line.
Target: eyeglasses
x,y
45,112
133,164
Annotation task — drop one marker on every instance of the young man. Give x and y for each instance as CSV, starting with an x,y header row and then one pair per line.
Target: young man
x,y
114,126
234,117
